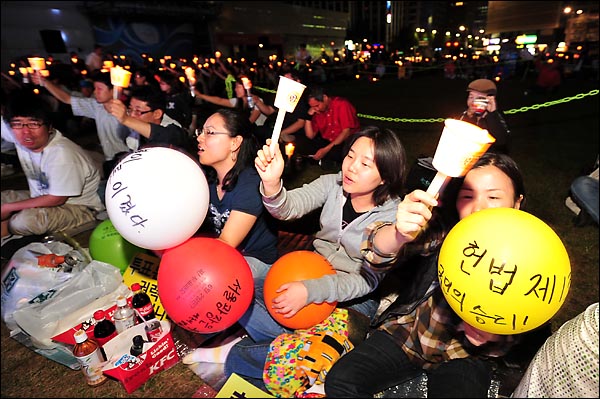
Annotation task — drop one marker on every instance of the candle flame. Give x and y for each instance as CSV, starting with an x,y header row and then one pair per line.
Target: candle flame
x,y
289,149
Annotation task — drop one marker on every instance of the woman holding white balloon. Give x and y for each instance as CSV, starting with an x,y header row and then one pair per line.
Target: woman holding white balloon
x,y
236,215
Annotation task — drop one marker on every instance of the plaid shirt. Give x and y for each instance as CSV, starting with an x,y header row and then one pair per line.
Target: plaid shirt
x,y
431,334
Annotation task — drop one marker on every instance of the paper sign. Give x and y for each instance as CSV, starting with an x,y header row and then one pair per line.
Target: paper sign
x,y
237,387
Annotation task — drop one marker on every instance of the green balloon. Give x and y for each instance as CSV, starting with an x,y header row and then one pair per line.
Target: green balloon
x,y
107,245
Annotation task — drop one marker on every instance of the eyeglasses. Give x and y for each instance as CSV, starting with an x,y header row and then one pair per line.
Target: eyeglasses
x,y
207,132
131,111
29,125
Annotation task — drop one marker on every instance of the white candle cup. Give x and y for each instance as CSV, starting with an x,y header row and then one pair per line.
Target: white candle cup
x,y
37,63
288,94
460,146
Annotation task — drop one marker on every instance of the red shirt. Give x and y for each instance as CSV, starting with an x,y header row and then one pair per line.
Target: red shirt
x,y
340,115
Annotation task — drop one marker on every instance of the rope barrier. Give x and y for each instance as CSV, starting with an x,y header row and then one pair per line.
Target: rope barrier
x,y
564,100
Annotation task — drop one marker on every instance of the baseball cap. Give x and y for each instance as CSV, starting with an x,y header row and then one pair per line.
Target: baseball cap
x,y
485,86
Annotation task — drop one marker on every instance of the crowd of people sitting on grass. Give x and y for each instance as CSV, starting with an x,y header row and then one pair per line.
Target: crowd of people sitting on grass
x,y
371,223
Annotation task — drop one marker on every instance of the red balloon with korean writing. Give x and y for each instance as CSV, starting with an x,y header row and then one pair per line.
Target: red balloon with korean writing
x,y
204,285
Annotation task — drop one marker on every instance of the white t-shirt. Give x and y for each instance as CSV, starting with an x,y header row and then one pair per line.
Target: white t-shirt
x,y
63,168
110,132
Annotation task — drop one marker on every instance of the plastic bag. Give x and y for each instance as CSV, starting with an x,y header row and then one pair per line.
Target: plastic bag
x,y
26,275
62,307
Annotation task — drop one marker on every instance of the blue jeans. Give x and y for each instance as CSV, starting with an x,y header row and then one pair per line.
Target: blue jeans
x,y
259,268
584,190
247,358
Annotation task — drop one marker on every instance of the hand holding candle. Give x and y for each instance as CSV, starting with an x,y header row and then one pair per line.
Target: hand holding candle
x,y
460,146
119,78
288,94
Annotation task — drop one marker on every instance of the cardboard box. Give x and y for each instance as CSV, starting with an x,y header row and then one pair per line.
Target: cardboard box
x,y
133,371
83,319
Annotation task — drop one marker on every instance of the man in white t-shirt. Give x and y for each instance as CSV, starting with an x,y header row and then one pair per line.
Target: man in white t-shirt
x,y
63,179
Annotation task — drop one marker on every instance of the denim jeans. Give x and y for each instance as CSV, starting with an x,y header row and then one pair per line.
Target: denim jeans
x,y
259,268
247,358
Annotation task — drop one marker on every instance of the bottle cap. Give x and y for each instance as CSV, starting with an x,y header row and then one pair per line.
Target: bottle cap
x,y
136,287
80,336
138,340
99,314
121,301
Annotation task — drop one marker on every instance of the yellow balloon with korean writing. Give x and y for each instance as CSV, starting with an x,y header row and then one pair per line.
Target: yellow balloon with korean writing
x,y
504,271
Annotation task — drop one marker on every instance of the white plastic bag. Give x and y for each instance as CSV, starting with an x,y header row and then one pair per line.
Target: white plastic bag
x,y
95,287
23,279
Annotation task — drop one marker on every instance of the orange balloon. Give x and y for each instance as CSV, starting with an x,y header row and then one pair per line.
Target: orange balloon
x,y
297,266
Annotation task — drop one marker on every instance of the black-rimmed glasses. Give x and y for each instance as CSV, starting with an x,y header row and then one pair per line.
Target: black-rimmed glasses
x,y
131,111
29,125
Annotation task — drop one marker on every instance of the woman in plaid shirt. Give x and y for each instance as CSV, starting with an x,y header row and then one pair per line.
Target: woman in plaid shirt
x,y
419,331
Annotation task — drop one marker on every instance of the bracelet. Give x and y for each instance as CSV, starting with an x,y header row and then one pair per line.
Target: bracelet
x,y
371,243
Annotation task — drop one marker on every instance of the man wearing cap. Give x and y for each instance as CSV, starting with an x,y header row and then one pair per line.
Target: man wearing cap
x,y
482,111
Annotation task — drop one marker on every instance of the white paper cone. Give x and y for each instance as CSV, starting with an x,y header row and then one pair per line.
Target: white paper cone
x,y
288,94
460,146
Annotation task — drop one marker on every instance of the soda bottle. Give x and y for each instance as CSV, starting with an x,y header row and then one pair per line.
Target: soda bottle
x,y
124,315
138,346
141,303
104,330
87,353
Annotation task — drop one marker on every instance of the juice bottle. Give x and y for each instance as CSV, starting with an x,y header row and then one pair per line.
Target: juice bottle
x,y
87,353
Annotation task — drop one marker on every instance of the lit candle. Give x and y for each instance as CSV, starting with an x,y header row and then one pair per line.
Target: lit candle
x,y
37,63
190,73
119,77
289,149
108,64
247,83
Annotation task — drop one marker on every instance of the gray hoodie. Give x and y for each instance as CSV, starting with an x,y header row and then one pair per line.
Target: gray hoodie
x,y
342,248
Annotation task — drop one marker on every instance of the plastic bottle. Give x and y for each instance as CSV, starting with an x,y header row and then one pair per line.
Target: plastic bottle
x,y
124,315
138,346
87,353
104,330
141,303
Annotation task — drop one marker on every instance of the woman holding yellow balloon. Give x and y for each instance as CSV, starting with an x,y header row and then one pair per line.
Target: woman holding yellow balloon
x,y
420,331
